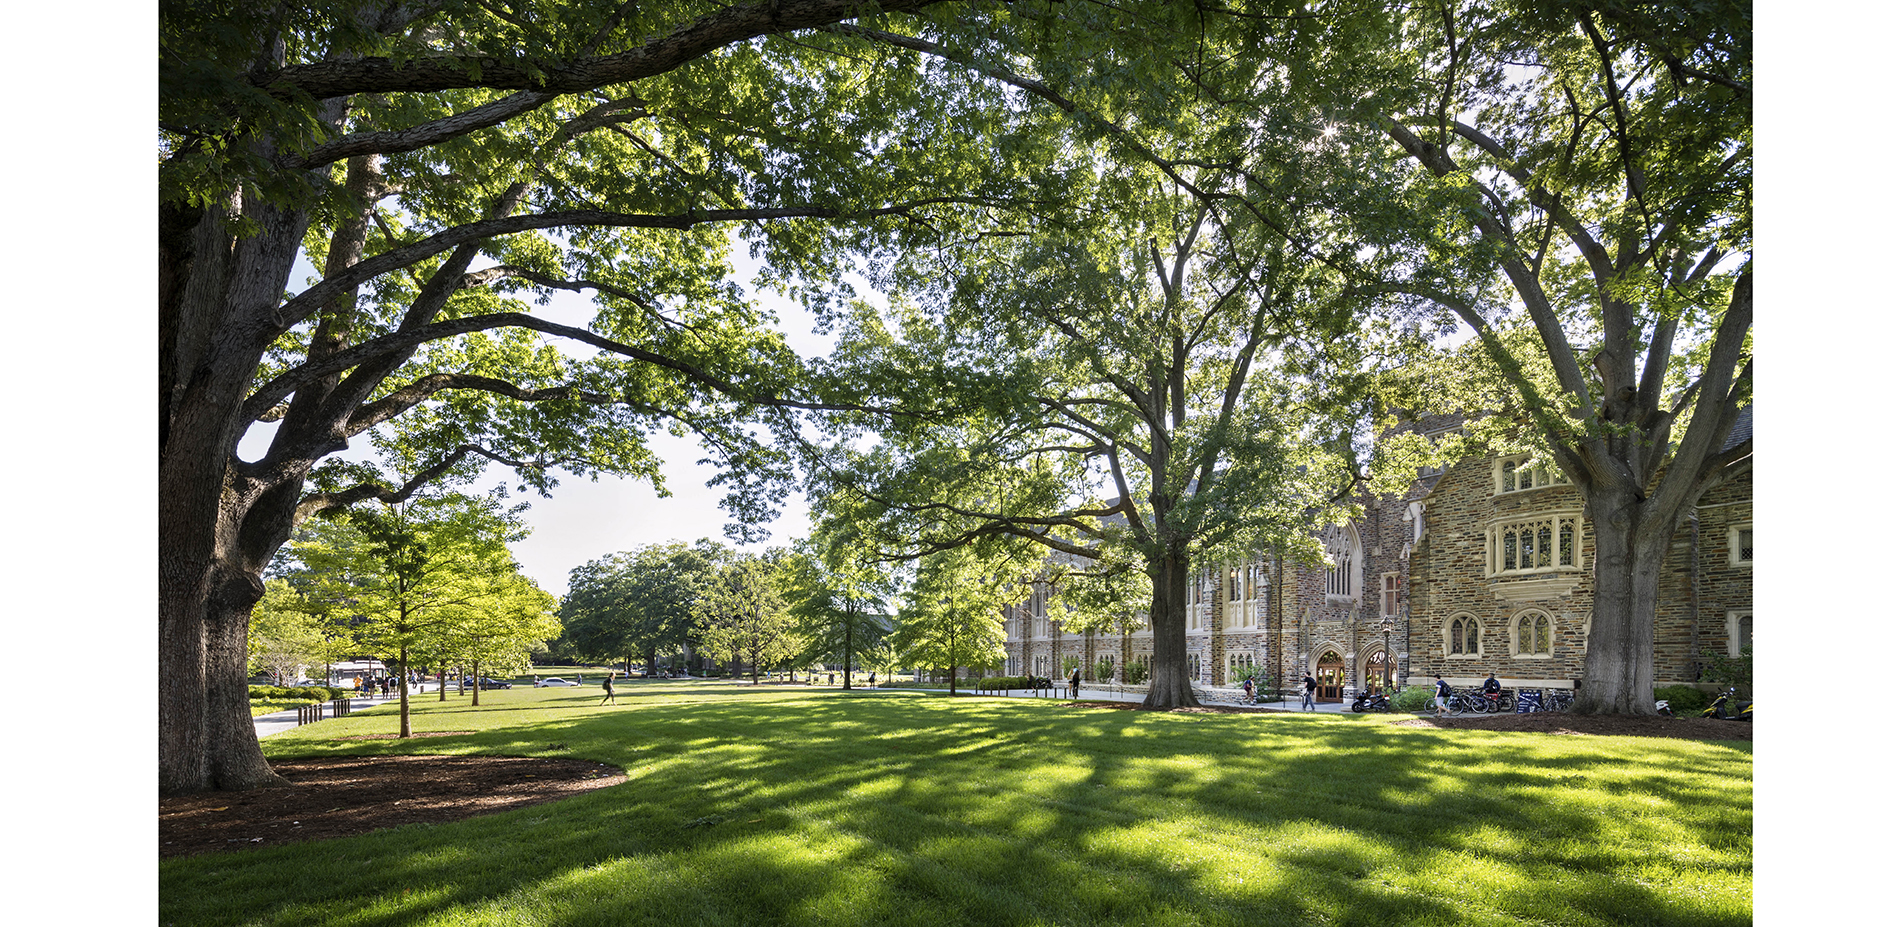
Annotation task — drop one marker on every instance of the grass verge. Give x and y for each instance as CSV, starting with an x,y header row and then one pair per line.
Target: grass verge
x,y
798,806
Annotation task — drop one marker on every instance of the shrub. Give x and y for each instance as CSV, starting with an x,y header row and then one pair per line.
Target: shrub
x,y
1105,669
297,693
1684,700
1136,673
998,683
1412,698
1731,671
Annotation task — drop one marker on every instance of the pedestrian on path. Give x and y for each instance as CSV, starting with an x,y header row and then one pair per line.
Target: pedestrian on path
x,y
1307,685
1075,683
609,686
1442,697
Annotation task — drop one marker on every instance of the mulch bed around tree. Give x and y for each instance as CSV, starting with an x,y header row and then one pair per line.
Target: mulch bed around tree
x,y
345,796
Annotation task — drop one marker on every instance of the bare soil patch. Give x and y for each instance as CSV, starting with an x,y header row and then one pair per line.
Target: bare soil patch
x,y
345,796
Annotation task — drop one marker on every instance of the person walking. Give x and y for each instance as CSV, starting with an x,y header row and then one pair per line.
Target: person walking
x,y
1246,688
1442,697
609,686
1307,685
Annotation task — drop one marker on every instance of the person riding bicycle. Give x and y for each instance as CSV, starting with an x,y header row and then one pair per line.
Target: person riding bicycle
x,y
1491,689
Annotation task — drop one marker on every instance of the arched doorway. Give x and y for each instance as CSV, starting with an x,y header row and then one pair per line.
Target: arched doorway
x,y
1331,674
1378,671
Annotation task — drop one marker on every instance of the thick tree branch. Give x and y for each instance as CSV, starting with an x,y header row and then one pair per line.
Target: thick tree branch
x,y
284,384
397,141
723,27
296,309
315,503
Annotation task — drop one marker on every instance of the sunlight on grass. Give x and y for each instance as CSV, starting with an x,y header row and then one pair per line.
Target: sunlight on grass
x,y
793,806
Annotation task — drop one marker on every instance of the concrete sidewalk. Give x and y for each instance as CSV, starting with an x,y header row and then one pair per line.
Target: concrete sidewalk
x,y
280,721
1091,693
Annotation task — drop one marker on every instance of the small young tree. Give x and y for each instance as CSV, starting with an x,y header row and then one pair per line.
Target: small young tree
x,y
740,612
505,620
954,617
429,578
290,632
838,595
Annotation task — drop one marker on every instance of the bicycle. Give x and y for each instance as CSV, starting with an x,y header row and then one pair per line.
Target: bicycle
x,y
1486,702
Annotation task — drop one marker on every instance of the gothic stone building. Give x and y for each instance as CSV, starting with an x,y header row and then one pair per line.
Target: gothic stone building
x,y
1482,568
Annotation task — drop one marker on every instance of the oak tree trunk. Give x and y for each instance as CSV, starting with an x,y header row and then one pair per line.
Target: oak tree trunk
x,y
1620,653
1169,685
219,522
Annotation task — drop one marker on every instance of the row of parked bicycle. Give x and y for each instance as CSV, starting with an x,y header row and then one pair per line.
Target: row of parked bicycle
x,y
1478,701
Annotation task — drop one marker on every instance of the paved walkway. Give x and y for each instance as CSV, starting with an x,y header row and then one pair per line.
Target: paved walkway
x,y
285,720
278,721
1091,693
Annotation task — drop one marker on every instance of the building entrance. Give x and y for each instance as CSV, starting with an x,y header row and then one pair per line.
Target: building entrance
x,y
1378,673
1331,677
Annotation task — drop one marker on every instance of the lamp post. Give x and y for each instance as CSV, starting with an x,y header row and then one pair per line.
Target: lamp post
x,y
1385,628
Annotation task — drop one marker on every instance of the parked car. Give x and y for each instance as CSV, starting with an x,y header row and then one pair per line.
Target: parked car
x,y
488,682
553,681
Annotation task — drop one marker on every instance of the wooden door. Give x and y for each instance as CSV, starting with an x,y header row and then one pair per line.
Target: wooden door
x,y
1332,677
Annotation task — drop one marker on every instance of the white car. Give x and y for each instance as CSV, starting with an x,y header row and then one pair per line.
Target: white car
x,y
554,681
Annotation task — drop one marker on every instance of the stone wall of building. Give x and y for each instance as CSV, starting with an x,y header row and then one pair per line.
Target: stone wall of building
x,y
1698,591
1705,601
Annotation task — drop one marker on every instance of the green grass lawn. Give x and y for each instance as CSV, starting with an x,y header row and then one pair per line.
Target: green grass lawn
x,y
816,806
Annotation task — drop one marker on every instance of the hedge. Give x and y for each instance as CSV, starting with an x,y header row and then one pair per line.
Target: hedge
x,y
1684,700
300,693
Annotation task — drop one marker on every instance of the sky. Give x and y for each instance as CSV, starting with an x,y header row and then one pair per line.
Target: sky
x,y
585,519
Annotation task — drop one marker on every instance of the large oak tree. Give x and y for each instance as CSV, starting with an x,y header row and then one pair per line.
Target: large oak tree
x,y
1148,388
444,164
1581,201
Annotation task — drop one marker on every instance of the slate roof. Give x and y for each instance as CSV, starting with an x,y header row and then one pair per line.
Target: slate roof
x,y
1744,429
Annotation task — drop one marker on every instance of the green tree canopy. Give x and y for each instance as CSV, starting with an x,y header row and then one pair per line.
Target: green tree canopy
x,y
448,166
953,615
290,633
638,601
1578,197
839,594
1158,383
432,580
740,613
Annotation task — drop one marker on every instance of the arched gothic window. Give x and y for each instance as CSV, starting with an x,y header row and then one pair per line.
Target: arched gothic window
x,y
1463,637
1531,633
1347,557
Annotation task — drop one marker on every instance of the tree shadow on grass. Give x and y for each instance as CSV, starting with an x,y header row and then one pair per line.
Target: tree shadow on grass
x,y
823,808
